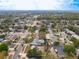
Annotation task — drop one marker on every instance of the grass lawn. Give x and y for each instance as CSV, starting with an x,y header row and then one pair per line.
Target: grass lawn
x,y
70,57
48,56
1,55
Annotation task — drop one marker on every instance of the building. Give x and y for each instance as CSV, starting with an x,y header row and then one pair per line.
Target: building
x,y
77,52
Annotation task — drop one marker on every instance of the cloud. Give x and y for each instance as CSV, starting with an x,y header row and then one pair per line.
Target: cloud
x,y
39,4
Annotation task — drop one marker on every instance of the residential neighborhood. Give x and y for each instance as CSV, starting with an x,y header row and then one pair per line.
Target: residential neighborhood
x,y
39,36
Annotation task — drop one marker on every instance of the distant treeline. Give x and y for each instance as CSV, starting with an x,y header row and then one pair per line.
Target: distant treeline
x,y
59,17
47,16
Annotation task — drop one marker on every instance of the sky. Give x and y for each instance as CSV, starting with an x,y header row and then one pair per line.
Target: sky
x,y
39,4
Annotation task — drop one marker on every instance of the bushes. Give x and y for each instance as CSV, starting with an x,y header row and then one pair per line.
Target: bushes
x,y
56,43
2,36
3,47
75,42
78,57
31,29
34,53
69,49
3,50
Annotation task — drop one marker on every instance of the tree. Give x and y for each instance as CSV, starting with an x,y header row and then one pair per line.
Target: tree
x,y
78,57
3,47
5,24
34,53
73,39
69,49
75,42
2,36
31,29
42,29
56,43
25,27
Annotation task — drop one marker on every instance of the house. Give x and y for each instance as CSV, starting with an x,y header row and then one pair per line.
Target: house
x,y
59,50
75,36
77,52
1,39
37,42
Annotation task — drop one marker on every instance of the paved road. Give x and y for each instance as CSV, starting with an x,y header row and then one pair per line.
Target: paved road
x,y
53,37
17,50
60,50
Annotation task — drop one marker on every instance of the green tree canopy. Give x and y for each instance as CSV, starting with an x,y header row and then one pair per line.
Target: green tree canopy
x,y
69,49
2,36
25,27
31,29
75,42
56,43
3,47
42,29
78,57
34,53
